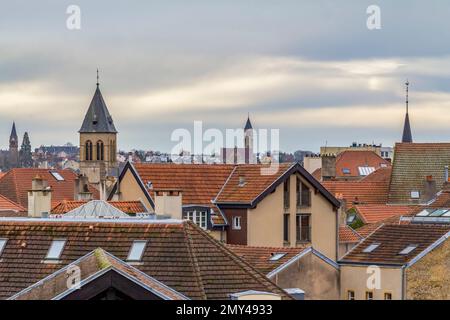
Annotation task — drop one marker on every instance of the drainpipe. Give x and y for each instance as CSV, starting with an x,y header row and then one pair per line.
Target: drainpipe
x,y
403,282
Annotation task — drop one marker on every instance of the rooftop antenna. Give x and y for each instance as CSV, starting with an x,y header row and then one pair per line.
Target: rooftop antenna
x,y
97,78
407,93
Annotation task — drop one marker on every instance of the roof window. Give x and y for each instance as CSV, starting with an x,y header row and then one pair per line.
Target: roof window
x,y
137,250
408,249
372,247
277,256
56,248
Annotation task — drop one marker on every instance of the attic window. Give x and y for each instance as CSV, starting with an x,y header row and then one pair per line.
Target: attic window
x,y
57,176
2,245
137,250
372,247
345,170
56,248
277,256
408,249
415,194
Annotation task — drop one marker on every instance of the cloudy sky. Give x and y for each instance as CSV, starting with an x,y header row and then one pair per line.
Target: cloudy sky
x,y
309,68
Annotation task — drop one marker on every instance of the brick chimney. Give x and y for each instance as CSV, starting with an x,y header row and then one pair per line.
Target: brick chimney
x,y
39,198
429,189
169,203
82,188
328,167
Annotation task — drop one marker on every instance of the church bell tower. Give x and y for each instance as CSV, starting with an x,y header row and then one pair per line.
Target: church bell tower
x,y
98,141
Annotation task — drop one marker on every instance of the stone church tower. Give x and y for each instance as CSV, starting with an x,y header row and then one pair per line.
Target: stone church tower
x,y
98,142
13,157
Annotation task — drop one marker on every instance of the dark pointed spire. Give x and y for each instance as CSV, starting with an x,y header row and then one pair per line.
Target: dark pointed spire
x,y
407,136
97,118
13,132
248,124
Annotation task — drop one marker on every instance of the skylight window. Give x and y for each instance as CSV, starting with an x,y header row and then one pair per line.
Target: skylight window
x,y
57,176
415,194
365,171
408,249
345,170
2,245
137,250
277,256
56,248
372,247
423,213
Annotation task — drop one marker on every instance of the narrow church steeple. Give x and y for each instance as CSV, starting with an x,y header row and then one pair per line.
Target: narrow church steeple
x,y
13,135
407,136
248,124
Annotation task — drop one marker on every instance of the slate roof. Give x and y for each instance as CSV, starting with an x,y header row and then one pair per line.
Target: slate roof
x,y
178,254
407,136
92,264
97,118
129,207
248,124
16,183
413,162
259,257
393,238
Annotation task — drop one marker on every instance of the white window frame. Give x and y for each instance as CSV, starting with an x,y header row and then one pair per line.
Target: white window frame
x,y
199,217
133,249
53,246
3,242
237,222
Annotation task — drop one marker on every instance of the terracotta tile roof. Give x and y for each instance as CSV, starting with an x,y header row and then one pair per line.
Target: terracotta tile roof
x,y
317,174
393,238
254,183
8,205
179,254
259,257
203,184
379,175
369,228
199,183
129,207
359,192
351,160
16,183
413,162
94,263
2,174
442,199
372,213
348,235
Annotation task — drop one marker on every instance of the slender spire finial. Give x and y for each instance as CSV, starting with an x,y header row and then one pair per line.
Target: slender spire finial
x,y
97,78
407,93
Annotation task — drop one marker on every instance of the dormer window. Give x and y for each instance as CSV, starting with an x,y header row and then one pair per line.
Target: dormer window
x,y
56,249
137,250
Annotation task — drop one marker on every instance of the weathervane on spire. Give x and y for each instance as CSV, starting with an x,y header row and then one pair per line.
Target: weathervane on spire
x,y
407,92
97,78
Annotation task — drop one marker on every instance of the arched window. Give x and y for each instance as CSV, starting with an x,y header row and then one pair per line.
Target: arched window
x,y
88,150
100,150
